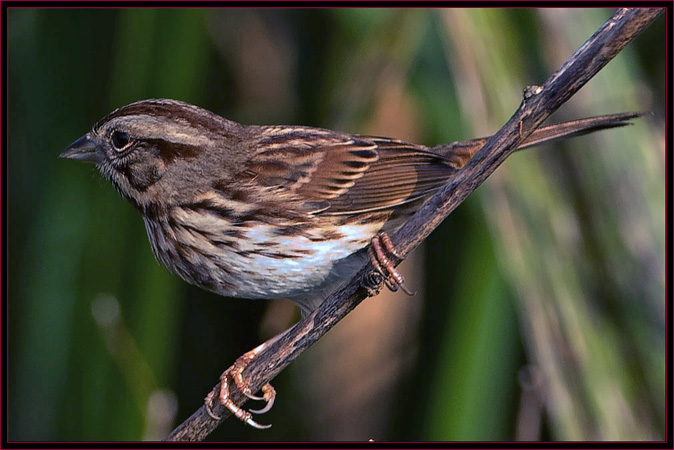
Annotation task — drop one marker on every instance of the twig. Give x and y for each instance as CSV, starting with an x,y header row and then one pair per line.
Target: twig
x,y
538,104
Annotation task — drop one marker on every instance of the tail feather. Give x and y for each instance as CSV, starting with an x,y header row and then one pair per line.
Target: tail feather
x,y
459,153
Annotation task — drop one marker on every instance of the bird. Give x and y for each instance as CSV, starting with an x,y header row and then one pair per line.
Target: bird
x,y
276,211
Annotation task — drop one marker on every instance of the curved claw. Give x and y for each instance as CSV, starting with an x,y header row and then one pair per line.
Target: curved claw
x,y
207,404
251,396
405,290
269,395
210,412
254,424
263,410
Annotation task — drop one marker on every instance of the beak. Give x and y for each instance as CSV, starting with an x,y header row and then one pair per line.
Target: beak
x,y
83,149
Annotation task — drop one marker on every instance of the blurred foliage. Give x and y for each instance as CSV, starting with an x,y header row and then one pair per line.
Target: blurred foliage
x,y
543,306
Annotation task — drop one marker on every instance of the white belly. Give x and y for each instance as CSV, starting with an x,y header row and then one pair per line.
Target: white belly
x,y
252,260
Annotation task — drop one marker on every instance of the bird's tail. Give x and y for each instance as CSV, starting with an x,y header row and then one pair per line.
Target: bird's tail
x,y
459,153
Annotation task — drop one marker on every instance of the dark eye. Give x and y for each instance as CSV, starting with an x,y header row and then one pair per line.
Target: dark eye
x,y
120,140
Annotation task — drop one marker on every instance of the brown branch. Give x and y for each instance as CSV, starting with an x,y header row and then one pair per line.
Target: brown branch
x,y
538,104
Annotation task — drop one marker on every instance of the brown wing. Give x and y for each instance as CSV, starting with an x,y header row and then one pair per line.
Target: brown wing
x,y
401,174
335,173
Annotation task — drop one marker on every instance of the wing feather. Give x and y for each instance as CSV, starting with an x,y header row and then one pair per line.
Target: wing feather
x,y
345,174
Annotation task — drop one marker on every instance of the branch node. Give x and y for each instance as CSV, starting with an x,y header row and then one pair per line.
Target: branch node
x,y
372,283
530,91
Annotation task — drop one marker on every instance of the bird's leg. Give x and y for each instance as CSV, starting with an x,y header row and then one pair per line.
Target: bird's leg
x,y
235,374
380,246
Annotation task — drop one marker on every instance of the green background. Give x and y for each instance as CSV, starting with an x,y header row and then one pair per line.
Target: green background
x,y
541,305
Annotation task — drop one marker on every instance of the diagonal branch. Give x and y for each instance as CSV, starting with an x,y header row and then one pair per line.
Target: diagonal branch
x,y
538,104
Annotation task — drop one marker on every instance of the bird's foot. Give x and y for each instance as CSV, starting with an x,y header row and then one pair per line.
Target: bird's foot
x,y
235,374
380,251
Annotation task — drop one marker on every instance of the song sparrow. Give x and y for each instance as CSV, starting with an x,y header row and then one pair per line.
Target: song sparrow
x,y
272,211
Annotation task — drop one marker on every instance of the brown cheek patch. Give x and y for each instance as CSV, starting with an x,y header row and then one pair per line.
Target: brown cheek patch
x,y
170,151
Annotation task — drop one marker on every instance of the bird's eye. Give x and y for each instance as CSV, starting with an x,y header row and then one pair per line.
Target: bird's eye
x,y
120,140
